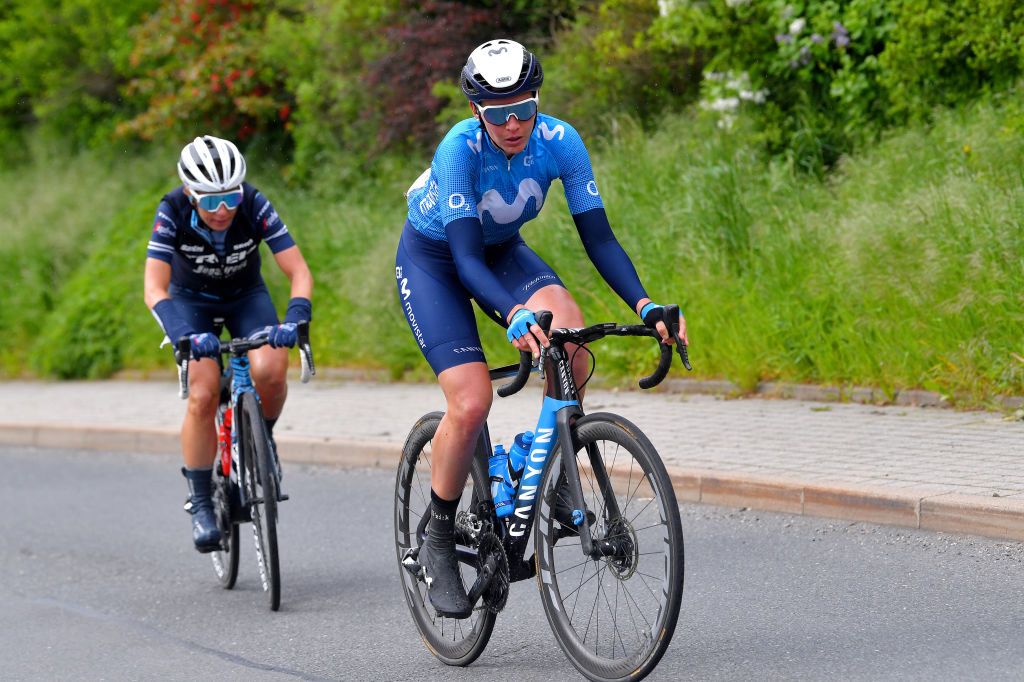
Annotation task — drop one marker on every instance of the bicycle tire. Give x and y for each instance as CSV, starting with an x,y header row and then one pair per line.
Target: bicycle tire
x,y
261,488
225,560
636,504
454,642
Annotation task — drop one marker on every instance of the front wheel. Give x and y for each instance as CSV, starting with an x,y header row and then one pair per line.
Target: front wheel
x,y
613,612
453,641
261,489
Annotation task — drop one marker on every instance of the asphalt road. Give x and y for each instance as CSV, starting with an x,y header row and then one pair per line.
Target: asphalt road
x,y
100,582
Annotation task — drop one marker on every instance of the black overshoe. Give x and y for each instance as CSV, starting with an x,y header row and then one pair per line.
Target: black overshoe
x,y
444,579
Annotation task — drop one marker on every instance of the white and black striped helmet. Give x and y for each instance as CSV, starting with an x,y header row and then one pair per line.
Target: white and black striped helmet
x,y
500,68
210,164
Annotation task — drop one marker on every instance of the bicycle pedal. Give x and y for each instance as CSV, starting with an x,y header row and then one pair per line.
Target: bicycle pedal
x,y
410,563
282,497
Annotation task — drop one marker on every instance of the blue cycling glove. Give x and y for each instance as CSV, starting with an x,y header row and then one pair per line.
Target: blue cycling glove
x,y
284,335
204,345
519,325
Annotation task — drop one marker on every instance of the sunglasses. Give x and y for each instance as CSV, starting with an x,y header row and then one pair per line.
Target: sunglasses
x,y
212,202
499,114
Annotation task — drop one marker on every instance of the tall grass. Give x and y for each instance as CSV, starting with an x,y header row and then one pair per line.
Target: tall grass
x,y
902,269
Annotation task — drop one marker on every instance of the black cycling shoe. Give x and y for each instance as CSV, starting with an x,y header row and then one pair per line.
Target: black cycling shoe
x,y
444,581
561,511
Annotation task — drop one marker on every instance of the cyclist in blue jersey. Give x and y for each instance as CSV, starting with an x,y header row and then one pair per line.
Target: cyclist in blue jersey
x,y
203,262
489,176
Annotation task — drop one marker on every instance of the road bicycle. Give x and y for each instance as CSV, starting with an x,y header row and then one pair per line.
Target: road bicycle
x,y
608,542
247,471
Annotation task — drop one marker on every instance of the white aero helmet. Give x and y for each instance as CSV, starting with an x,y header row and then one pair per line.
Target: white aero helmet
x,y
500,68
210,164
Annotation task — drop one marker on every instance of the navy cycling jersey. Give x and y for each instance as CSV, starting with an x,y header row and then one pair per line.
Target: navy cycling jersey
x,y
470,177
200,264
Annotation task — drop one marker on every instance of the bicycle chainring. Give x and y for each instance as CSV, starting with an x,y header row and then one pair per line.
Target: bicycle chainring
x,y
496,594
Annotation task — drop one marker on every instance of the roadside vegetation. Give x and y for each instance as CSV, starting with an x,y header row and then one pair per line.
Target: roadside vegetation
x,y
786,171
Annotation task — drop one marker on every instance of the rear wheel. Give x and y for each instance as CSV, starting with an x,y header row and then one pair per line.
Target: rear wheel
x,y
225,560
453,641
261,489
613,612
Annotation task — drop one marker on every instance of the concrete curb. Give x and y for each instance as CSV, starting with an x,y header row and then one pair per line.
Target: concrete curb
x,y
936,510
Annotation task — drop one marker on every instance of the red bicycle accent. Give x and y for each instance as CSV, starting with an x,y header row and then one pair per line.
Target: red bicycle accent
x,y
224,443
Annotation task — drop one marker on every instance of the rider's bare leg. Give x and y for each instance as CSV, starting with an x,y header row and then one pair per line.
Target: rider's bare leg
x,y
467,391
269,367
566,313
198,433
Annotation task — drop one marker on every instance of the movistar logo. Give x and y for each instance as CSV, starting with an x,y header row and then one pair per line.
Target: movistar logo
x,y
477,146
548,133
503,213
495,53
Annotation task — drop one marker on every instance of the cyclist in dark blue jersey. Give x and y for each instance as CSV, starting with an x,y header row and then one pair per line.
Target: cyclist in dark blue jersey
x,y
489,176
203,262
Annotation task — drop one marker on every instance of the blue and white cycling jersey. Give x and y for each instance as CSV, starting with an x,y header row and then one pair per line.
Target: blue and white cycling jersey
x,y
470,177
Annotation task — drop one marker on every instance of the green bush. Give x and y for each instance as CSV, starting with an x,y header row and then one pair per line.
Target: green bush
x,y
63,64
947,53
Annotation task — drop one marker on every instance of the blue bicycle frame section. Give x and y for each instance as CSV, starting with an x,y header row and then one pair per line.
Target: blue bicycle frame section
x,y
241,382
543,440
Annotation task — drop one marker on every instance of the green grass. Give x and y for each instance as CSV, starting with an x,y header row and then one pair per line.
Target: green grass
x,y
904,269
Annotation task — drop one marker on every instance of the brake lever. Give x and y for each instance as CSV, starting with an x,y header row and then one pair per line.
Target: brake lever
x,y
673,328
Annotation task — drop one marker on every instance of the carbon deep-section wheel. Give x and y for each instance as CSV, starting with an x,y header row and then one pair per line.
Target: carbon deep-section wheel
x,y
261,489
614,611
453,641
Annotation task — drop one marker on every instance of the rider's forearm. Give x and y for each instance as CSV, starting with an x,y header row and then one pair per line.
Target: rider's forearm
x,y
608,256
302,284
465,239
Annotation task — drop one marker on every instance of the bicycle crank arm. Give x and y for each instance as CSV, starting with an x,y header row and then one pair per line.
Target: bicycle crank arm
x,y
483,579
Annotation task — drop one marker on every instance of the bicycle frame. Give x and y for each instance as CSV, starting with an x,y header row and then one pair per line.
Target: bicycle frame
x,y
241,382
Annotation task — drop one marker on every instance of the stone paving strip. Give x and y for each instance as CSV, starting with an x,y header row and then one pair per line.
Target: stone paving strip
x,y
928,468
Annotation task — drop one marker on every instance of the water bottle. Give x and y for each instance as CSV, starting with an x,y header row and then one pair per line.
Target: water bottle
x,y
496,466
516,463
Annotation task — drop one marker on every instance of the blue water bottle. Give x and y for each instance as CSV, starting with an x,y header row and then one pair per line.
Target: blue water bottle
x,y
497,464
516,463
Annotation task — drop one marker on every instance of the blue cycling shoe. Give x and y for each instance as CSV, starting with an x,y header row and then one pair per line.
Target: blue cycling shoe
x,y
205,533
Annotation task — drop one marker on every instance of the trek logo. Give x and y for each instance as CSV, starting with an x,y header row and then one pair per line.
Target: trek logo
x,y
530,480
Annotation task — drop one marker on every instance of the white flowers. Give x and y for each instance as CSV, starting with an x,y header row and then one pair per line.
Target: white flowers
x,y
725,91
797,25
